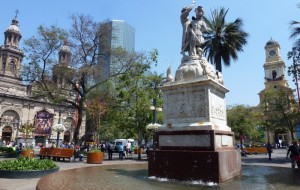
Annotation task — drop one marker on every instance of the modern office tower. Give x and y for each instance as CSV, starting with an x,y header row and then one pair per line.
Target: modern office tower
x,y
121,35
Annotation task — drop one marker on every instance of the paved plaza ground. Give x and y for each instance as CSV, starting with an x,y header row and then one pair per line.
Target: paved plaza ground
x,y
278,160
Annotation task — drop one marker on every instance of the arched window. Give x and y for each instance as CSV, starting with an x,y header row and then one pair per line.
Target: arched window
x,y
3,65
9,38
274,74
12,66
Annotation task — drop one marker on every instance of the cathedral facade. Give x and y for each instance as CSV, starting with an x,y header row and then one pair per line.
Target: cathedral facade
x,y
19,107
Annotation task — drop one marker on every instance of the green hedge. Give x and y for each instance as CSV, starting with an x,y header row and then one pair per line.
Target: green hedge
x,y
24,163
8,152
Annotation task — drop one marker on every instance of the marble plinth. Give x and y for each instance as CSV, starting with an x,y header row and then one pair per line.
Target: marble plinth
x,y
198,104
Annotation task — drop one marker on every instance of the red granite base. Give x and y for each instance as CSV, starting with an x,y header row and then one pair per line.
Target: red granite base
x,y
185,165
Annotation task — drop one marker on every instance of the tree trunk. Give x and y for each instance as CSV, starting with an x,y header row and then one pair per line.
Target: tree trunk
x,y
241,139
292,134
77,127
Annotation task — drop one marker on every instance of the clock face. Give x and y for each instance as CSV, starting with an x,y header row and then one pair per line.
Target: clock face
x,y
272,53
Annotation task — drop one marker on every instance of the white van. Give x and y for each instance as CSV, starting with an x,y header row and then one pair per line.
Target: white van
x,y
123,142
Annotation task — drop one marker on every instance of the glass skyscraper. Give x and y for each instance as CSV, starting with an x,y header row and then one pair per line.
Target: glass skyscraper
x,y
122,35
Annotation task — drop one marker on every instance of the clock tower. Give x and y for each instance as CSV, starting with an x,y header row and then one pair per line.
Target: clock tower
x,y
275,73
274,66
275,78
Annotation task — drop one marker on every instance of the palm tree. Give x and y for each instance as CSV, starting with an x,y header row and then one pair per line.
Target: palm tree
x,y
295,30
224,40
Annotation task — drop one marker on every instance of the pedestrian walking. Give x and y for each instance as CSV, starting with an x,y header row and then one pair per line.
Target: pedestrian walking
x,y
294,152
110,151
269,150
120,149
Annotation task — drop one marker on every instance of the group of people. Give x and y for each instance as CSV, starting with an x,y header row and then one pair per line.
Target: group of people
x,y
293,153
125,151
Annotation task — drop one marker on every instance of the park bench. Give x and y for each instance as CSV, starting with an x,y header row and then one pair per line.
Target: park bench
x,y
45,152
56,153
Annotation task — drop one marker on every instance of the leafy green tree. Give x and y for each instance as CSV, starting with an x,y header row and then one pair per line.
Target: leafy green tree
x,y
242,121
281,110
96,109
27,129
135,91
224,40
85,37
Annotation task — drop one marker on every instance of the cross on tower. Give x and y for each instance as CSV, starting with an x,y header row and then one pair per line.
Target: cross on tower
x,y
17,12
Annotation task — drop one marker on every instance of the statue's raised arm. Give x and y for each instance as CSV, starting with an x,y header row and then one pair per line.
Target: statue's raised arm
x,y
184,18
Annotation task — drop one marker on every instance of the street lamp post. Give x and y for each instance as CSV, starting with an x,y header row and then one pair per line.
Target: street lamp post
x,y
154,110
139,138
58,132
268,133
267,122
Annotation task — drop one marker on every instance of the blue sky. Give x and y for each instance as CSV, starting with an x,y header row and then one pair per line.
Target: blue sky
x,y
158,26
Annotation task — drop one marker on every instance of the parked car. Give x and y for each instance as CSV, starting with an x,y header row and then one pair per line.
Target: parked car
x,y
123,142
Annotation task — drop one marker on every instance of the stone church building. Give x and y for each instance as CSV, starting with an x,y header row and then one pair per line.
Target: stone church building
x,y
17,105
275,77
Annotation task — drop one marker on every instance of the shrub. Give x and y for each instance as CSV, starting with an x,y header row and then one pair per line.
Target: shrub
x,y
94,150
24,163
8,152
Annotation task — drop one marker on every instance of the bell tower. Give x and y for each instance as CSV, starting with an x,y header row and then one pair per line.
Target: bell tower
x,y
11,57
62,71
274,66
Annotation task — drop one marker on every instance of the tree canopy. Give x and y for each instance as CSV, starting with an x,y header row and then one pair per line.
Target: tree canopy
x,y
243,122
80,76
281,110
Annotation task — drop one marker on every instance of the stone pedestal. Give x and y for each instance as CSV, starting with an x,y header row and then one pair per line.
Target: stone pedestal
x,y
198,155
195,143
196,104
186,165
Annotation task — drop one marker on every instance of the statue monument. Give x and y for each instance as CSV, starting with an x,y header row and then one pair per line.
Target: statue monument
x,y
194,142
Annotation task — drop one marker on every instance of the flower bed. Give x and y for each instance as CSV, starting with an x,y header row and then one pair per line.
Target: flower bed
x,y
26,168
